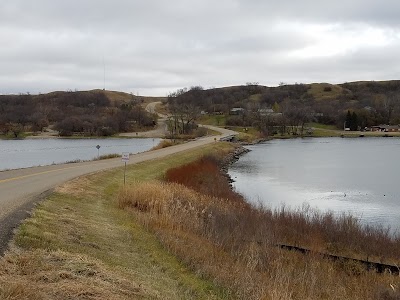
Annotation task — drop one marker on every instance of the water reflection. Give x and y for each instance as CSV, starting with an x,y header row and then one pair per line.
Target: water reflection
x,y
16,154
358,176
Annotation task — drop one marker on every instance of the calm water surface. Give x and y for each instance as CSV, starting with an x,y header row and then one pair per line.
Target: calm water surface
x,y
359,176
15,154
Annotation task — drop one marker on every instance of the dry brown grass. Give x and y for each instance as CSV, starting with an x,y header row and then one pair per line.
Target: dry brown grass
x,y
163,144
204,176
59,275
235,244
76,187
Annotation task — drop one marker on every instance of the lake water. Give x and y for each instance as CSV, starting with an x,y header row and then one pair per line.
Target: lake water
x,y
15,154
360,176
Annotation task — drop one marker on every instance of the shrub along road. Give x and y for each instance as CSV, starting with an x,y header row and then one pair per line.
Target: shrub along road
x,y
21,189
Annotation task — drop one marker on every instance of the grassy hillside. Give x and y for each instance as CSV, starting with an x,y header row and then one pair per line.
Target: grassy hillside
x,y
122,97
89,113
325,91
370,103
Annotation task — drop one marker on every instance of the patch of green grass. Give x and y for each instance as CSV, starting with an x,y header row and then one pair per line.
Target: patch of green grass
x,y
11,136
324,91
214,120
246,134
255,97
322,126
320,132
82,218
327,132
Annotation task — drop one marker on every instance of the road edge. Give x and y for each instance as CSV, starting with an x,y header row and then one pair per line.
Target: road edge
x,y
12,221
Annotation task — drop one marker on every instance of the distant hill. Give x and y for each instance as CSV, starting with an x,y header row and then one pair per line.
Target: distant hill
x,y
120,97
95,112
99,112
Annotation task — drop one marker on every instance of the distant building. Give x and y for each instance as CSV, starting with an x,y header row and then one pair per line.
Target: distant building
x,y
317,114
236,111
392,128
268,112
386,128
368,108
265,111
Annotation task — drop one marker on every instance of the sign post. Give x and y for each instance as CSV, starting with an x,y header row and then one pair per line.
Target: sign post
x,y
98,151
125,159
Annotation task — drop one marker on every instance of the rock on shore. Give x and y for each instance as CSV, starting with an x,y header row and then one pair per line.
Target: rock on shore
x,y
231,158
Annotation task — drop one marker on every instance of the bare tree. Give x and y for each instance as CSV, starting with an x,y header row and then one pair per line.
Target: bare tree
x,y
389,104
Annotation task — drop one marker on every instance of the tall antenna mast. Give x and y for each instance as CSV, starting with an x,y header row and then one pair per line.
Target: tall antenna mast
x,y
104,78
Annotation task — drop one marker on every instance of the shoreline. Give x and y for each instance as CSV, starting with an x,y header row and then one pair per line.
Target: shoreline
x,y
230,159
354,136
378,267
156,133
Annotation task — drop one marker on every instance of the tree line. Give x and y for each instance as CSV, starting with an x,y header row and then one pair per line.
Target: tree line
x,y
368,103
89,113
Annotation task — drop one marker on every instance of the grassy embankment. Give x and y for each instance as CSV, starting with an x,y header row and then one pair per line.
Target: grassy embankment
x,y
79,245
321,130
198,218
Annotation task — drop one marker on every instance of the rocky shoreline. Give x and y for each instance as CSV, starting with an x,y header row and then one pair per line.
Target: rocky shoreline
x,y
231,158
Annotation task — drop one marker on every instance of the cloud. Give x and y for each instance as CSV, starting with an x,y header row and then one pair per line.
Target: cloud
x,y
153,47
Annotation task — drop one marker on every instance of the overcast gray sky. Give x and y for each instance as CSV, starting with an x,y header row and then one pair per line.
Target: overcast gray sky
x,y
153,47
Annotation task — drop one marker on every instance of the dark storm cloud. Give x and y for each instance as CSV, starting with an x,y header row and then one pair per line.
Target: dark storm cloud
x,y
155,46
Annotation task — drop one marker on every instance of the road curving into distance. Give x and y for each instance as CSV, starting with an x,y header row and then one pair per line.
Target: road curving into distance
x,y
21,189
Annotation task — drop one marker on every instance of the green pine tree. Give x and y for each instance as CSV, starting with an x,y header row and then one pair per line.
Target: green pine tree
x,y
354,121
349,120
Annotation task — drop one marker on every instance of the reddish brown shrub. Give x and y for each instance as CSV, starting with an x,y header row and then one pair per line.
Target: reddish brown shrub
x,y
205,176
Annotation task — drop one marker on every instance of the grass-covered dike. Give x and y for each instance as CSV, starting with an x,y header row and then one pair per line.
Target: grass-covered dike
x,y
79,244
197,216
178,231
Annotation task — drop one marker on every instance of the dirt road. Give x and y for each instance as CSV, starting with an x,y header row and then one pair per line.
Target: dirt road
x,y
21,189
159,132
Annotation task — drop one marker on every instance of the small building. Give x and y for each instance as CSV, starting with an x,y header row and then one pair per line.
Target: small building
x,y
265,111
236,111
386,128
317,114
392,128
268,112
376,128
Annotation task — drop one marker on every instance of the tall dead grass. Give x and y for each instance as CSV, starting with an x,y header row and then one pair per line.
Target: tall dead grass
x,y
163,144
304,226
37,275
204,176
234,243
